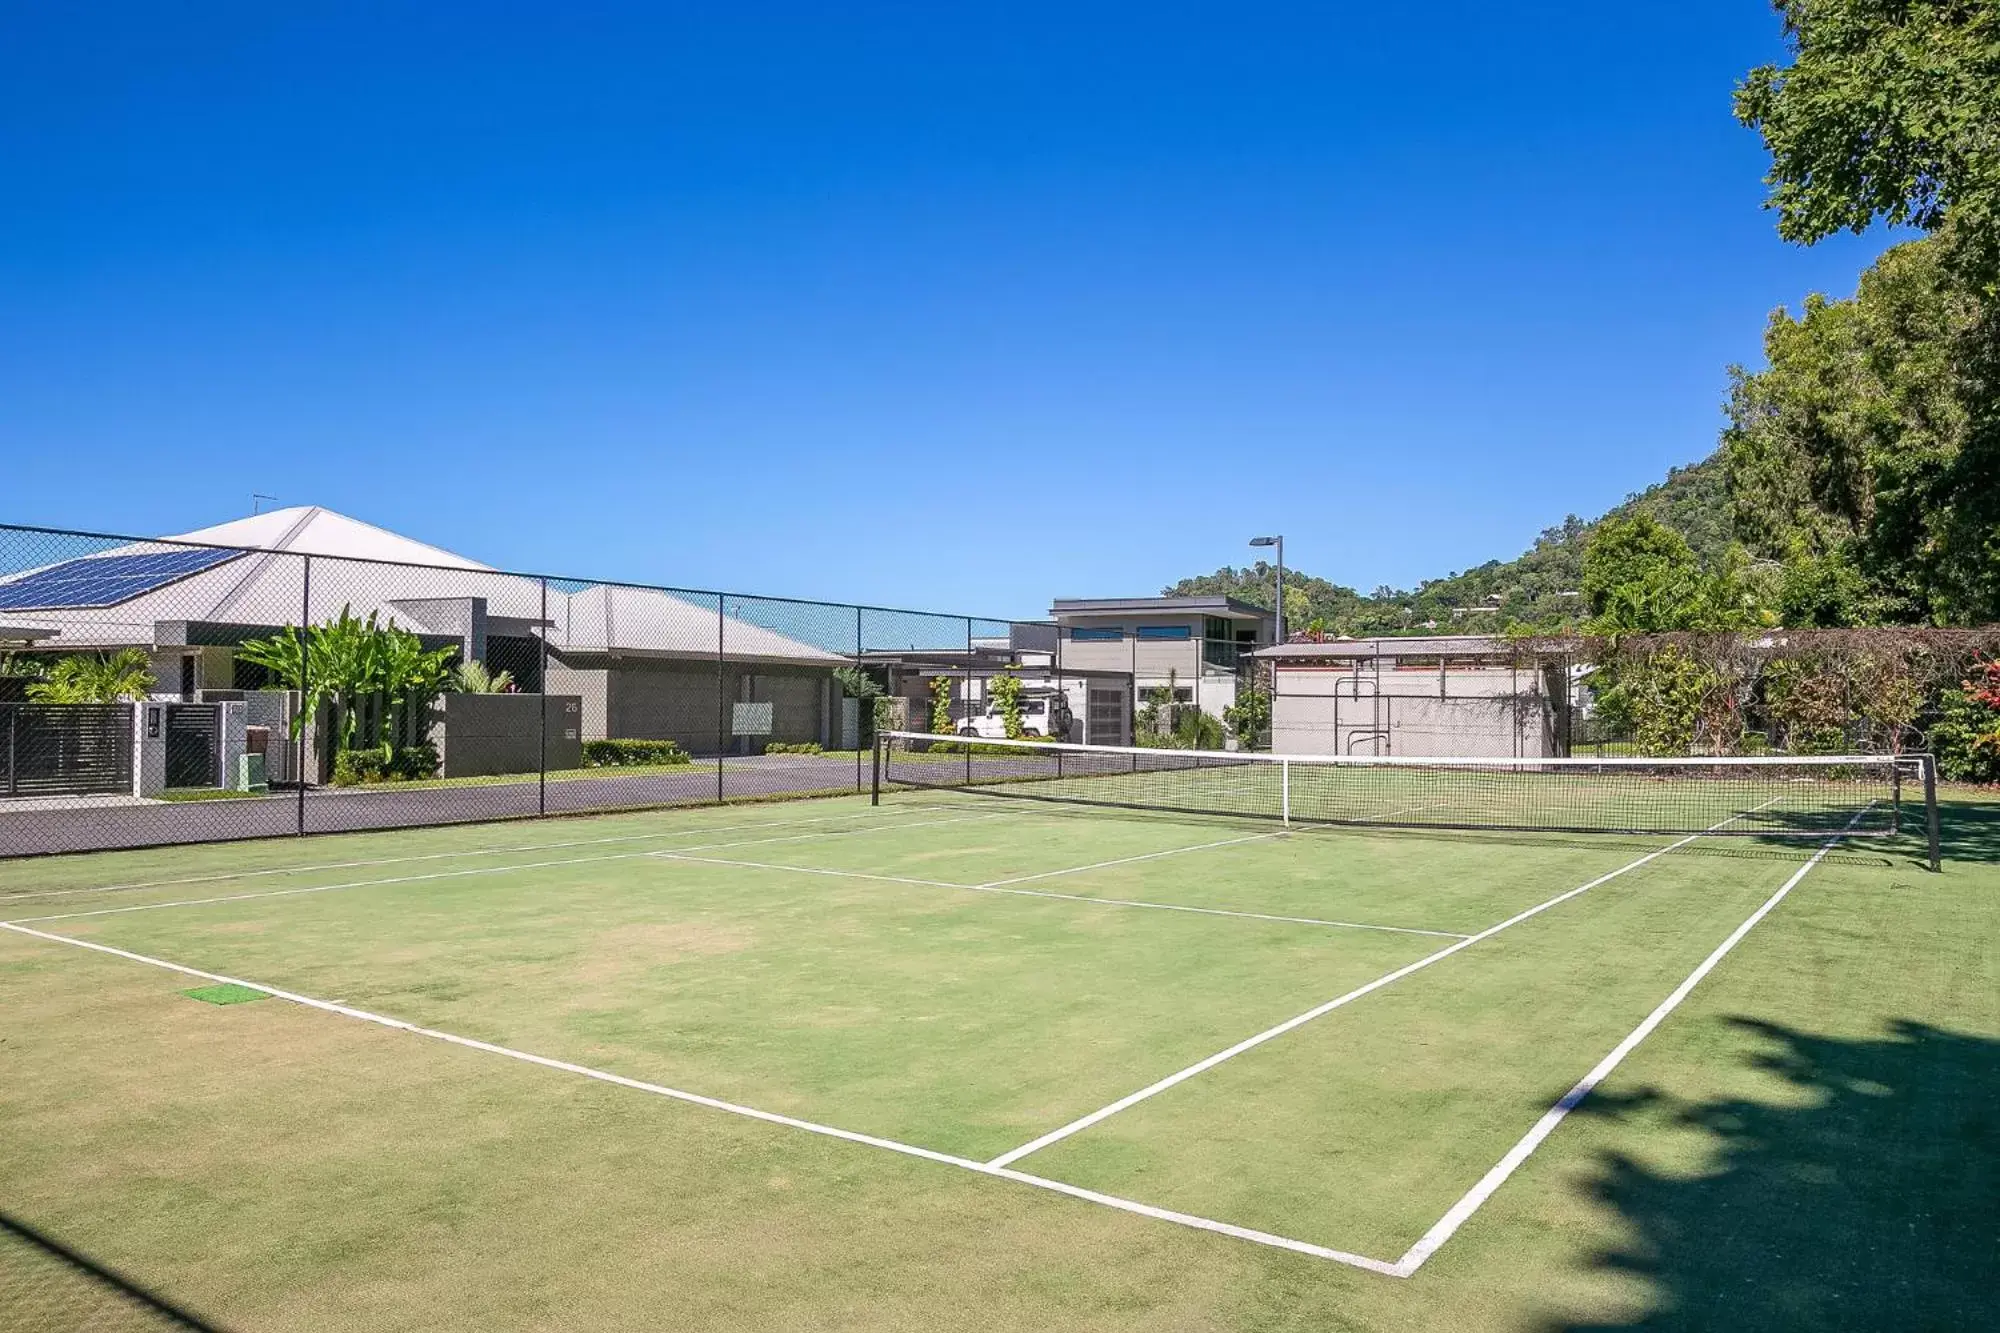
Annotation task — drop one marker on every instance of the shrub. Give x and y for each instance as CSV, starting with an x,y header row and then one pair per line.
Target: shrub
x,y
794,747
411,763
1966,737
619,753
941,722
1006,691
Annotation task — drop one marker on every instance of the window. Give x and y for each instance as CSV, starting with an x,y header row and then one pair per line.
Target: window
x,y
1097,634
1215,627
1179,633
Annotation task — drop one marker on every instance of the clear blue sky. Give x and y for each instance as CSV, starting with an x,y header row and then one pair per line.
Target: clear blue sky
x,y
954,306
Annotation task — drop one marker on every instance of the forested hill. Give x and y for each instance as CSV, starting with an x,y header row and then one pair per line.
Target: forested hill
x,y
1536,587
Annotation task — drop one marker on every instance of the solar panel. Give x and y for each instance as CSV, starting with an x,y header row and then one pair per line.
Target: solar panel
x,y
105,580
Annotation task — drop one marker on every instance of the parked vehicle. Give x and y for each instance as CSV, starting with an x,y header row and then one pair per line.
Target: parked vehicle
x,y
1042,714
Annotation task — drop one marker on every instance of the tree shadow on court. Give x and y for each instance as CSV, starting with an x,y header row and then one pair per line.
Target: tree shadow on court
x,y
1969,830
1867,1198
50,1286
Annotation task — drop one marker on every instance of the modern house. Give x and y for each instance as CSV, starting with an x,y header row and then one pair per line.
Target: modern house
x,y
647,663
1448,695
1197,647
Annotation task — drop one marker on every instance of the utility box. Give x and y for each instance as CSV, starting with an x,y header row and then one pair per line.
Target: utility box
x,y
249,773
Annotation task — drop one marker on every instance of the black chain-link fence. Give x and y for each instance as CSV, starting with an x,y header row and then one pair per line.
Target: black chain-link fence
x,y
156,692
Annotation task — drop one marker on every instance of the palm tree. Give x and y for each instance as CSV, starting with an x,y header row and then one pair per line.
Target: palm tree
x,y
93,678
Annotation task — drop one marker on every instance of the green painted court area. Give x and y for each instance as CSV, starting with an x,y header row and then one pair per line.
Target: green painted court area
x,y
965,1061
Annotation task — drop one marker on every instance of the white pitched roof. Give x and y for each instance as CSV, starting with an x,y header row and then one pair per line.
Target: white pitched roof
x,y
312,530
265,587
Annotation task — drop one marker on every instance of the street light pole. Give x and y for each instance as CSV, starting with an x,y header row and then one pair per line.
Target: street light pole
x,y
1278,541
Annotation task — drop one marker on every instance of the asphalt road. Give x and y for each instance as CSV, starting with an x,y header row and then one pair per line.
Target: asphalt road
x,y
57,828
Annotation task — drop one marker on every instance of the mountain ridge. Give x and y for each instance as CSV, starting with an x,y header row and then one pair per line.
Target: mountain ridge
x,y
1537,587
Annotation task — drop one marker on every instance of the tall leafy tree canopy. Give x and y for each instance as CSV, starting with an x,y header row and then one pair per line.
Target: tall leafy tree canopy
x,y
1887,111
1867,456
1641,576
1853,457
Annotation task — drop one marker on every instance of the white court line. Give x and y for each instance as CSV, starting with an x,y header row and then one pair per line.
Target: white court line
x,y
1414,1257
485,870
734,1108
1251,1043
1001,887
439,856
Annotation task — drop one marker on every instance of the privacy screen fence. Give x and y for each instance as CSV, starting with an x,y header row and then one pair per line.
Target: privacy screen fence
x,y
157,692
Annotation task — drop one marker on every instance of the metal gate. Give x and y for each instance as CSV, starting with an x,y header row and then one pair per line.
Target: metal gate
x,y
65,749
194,745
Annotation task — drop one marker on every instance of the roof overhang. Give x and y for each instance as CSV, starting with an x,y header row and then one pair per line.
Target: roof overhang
x,y
12,632
1225,608
1444,645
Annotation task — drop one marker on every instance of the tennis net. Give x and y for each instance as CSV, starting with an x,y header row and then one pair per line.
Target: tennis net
x,y
1784,796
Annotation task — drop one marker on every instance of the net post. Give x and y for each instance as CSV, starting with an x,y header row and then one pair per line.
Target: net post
x,y
875,781
1931,810
1285,791
1895,794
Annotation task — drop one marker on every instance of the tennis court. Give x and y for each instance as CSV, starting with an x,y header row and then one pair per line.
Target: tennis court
x,y
1325,1041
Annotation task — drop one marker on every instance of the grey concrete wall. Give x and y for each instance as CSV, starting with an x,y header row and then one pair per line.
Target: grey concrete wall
x,y
666,701
480,734
1413,725
590,681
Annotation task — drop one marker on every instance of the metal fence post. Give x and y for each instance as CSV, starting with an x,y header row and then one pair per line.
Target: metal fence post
x,y
721,697
863,726
542,742
967,693
304,721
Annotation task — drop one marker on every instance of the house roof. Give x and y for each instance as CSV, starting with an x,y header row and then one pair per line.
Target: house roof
x,y
1227,608
422,587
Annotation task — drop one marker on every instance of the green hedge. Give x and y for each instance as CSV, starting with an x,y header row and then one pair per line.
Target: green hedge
x,y
618,754
411,763
794,747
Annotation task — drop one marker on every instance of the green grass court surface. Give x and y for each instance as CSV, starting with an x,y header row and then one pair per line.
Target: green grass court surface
x,y
960,1062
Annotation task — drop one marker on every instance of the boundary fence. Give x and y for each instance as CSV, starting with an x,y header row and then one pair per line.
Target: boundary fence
x,y
340,694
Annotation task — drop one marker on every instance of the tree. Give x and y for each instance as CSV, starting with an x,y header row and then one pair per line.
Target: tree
x,y
95,678
1641,576
1852,457
1887,111
1250,716
1879,423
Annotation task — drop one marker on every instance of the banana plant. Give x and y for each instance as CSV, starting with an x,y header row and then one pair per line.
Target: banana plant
x,y
477,678
344,661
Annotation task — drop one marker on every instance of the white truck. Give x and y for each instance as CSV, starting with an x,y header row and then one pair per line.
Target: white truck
x,y
1043,713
